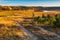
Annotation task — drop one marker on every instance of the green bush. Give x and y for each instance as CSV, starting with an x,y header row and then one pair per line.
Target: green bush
x,y
53,21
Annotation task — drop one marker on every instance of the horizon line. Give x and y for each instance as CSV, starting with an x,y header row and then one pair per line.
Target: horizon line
x,y
30,5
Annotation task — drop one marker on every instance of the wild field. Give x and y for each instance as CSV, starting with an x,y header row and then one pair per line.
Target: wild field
x,y
6,17
9,30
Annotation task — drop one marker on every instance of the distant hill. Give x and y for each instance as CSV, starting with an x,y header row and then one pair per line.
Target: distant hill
x,y
38,8
52,8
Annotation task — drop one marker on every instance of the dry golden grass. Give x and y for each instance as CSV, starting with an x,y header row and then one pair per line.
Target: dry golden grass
x,y
11,28
8,16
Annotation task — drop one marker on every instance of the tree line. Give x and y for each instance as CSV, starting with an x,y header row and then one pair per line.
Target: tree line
x,y
21,8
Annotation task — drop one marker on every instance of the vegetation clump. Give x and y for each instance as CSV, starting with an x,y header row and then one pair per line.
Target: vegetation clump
x,y
53,21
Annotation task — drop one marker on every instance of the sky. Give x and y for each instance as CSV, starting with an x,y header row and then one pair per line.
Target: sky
x,y
30,3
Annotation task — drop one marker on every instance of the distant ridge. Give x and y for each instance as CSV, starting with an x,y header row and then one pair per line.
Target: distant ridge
x,y
52,8
35,8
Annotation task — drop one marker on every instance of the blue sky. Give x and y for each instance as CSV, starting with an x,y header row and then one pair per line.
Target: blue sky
x,y
30,2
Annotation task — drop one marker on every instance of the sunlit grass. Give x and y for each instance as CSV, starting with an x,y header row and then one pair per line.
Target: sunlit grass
x,y
9,27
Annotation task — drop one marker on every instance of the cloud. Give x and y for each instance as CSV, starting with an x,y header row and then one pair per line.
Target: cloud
x,y
31,2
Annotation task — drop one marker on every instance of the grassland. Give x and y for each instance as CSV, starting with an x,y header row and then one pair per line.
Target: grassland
x,y
9,29
6,17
